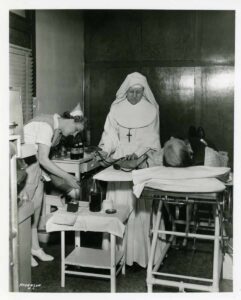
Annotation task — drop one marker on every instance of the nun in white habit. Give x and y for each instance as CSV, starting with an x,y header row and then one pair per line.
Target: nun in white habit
x,y
131,128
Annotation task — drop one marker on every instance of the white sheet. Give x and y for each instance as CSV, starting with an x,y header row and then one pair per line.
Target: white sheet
x,y
198,179
209,185
110,174
169,173
84,220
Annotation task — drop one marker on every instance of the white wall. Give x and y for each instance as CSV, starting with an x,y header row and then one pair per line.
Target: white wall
x,y
59,60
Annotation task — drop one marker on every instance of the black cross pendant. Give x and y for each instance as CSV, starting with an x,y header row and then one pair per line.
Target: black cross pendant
x,y
129,135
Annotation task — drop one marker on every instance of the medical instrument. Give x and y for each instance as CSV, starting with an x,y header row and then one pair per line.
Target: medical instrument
x,y
118,167
110,211
108,163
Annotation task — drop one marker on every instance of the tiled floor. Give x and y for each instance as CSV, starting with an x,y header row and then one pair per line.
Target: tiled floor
x,y
198,262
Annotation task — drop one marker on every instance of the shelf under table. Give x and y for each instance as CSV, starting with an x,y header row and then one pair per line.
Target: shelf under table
x,y
94,258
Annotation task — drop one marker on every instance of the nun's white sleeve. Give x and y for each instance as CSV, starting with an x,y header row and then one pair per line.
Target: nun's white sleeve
x,y
109,140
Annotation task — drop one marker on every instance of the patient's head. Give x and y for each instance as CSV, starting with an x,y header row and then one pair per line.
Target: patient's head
x,y
177,153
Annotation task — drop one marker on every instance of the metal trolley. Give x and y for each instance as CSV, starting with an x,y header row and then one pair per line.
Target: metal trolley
x,y
216,202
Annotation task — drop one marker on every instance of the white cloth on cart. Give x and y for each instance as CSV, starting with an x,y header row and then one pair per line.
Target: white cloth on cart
x,y
199,179
201,185
85,220
111,175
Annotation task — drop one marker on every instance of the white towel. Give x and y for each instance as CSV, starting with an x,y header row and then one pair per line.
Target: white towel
x,y
110,175
189,179
62,217
209,185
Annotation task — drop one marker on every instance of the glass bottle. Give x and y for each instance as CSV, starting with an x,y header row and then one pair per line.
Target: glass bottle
x,y
81,150
74,152
95,197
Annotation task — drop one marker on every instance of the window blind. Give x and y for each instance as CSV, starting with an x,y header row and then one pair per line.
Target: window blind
x,y
21,76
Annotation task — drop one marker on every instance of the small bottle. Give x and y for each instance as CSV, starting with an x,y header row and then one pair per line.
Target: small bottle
x,y
63,151
74,152
25,197
81,150
95,198
88,137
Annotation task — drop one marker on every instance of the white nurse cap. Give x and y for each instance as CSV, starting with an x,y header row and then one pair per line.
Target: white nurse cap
x,y
77,111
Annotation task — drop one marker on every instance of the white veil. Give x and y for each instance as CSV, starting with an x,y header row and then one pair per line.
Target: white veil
x,y
133,79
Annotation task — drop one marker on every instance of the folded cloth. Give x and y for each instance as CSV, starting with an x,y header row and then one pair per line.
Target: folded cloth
x,y
178,178
167,178
206,185
110,174
214,158
64,218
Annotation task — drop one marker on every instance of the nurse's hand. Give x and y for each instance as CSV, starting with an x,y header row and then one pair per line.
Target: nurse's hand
x,y
72,181
132,156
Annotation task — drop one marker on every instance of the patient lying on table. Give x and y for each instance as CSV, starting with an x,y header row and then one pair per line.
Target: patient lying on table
x,y
177,153
180,153
195,151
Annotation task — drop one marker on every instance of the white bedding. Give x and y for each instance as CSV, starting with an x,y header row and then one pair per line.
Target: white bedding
x,y
198,179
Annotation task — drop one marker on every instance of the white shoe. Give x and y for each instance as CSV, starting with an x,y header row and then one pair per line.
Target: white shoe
x,y
42,255
34,262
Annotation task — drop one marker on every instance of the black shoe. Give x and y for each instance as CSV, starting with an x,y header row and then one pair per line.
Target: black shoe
x,y
136,268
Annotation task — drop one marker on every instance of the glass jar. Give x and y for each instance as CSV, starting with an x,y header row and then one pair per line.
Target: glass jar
x,y
81,150
74,152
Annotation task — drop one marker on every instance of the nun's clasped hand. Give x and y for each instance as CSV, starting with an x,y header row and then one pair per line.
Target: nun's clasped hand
x,y
132,156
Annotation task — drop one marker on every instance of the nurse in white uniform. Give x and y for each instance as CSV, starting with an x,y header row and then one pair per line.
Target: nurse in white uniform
x,y
45,131
131,128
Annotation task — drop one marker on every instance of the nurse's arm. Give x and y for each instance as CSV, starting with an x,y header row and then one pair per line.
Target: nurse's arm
x,y
51,167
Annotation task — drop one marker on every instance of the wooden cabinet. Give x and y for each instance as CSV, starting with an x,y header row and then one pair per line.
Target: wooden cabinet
x,y
20,224
25,213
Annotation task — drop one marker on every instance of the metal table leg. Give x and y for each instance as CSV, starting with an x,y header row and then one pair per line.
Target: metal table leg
x,y
113,263
149,279
62,259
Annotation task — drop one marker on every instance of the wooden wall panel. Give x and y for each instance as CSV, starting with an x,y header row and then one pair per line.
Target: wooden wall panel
x,y
112,36
217,37
217,109
168,35
180,52
60,60
103,83
173,88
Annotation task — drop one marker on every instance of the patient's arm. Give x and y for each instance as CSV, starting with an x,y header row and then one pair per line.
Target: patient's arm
x,y
139,163
151,159
155,158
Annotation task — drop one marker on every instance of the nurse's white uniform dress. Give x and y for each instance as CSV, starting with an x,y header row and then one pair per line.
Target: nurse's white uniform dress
x,y
132,129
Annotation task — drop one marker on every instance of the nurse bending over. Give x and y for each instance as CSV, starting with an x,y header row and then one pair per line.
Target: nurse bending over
x,y
44,132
